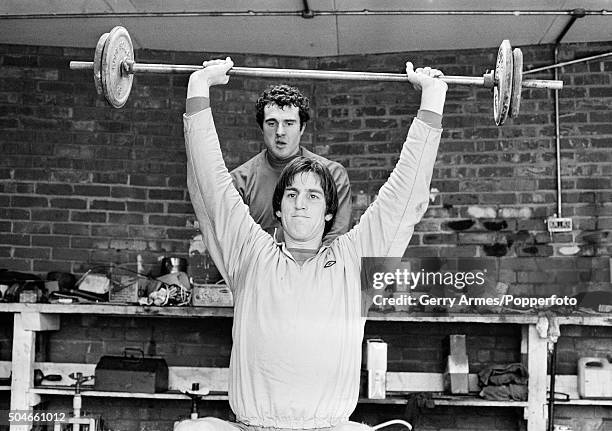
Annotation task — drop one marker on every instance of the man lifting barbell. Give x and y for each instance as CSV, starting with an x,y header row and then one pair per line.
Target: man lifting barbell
x,y
298,322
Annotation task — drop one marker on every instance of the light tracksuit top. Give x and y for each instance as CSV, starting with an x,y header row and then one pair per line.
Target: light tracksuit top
x,y
298,330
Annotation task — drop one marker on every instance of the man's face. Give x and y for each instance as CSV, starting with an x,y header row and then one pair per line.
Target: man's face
x,y
302,211
281,130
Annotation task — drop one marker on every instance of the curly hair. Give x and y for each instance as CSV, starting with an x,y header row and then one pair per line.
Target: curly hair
x,y
301,165
281,96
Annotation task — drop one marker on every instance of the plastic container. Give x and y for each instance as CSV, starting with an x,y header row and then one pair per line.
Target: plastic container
x,y
594,378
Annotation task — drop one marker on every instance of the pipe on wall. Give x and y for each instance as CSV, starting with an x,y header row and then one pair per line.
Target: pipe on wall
x,y
307,13
567,63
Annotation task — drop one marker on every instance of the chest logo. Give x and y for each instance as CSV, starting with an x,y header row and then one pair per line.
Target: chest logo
x,y
329,263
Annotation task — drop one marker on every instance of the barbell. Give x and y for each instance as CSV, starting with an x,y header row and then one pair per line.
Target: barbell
x,y
114,68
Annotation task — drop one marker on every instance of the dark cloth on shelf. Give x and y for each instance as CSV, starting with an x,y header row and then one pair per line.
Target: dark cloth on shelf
x,y
504,382
498,375
505,392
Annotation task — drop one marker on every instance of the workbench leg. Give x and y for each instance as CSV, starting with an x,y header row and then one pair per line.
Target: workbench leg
x,y
537,363
24,343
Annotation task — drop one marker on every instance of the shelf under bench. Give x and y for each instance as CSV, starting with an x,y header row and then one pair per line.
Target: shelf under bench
x,y
439,400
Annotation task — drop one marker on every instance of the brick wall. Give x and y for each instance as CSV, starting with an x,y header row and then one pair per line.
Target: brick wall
x,y
182,342
83,184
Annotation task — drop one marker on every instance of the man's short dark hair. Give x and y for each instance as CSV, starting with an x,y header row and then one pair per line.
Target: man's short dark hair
x,y
301,165
281,96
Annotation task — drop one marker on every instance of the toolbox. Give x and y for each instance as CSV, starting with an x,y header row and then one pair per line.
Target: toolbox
x,y
131,372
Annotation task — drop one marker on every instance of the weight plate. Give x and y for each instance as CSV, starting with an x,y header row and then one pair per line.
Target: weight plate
x,y
115,82
97,63
503,83
517,79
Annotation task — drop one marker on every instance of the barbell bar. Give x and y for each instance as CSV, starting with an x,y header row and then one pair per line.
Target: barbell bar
x,y
132,67
114,67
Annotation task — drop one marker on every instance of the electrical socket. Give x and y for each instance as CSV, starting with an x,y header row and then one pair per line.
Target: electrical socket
x,y
559,224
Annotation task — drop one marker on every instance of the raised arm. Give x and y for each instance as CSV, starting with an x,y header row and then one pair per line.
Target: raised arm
x,y
228,231
387,225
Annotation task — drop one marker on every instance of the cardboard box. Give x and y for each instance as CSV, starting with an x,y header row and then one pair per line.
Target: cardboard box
x,y
126,292
211,295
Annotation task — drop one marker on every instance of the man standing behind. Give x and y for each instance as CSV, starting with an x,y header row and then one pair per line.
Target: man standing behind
x,y
282,114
